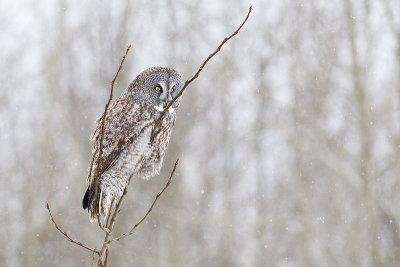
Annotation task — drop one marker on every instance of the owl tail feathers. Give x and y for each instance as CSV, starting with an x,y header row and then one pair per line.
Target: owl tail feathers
x,y
97,204
90,201
85,201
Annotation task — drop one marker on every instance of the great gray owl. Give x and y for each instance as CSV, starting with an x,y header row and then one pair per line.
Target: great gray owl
x,y
128,148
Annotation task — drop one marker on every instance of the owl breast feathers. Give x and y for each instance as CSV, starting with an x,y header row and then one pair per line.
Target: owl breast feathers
x,y
128,148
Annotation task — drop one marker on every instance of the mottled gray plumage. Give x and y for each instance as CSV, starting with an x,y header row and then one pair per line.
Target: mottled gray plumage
x,y
127,146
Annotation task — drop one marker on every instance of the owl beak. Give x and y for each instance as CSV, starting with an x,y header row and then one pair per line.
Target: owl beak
x,y
167,100
164,104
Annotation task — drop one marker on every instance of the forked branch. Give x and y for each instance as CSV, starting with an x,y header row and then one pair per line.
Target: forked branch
x,y
66,235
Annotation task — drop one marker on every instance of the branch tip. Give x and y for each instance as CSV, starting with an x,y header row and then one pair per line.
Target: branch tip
x,y
66,235
160,118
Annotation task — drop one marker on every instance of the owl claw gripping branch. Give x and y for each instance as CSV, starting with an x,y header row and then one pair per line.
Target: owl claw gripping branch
x,y
128,148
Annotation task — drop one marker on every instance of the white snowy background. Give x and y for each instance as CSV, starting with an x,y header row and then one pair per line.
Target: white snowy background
x,y
289,141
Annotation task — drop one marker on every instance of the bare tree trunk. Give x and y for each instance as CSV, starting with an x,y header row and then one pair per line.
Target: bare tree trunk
x,y
368,203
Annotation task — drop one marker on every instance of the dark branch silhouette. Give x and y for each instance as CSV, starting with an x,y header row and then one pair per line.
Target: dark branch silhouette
x,y
66,235
160,118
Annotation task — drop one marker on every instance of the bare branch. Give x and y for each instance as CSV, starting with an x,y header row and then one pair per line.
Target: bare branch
x,y
105,261
107,105
109,213
93,260
99,159
101,226
66,235
151,207
160,118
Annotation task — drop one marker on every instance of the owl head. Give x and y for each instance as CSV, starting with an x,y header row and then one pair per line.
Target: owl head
x,y
155,87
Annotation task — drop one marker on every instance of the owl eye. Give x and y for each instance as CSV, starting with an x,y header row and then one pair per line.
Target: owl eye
x,y
172,89
157,88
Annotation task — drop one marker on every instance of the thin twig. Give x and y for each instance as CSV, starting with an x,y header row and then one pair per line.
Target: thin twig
x,y
66,235
151,207
109,213
93,260
108,104
105,261
101,226
160,118
99,159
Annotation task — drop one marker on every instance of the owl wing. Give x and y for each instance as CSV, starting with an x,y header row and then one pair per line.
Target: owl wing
x,y
119,132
